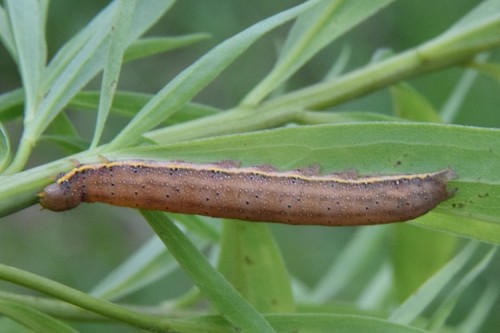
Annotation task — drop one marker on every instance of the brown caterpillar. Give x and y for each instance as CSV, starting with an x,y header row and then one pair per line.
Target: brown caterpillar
x,y
253,193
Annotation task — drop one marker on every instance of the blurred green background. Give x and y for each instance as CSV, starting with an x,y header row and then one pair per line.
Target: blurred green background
x,y
81,246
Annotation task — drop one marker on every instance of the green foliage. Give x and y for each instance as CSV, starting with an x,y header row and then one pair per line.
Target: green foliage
x,y
398,278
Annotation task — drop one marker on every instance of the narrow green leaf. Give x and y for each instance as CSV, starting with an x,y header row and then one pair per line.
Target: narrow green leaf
x,y
81,59
147,265
118,44
417,254
251,261
6,35
314,30
361,249
478,313
194,78
416,303
85,301
411,105
451,107
62,125
4,148
471,33
378,290
340,63
487,68
27,20
316,323
70,143
223,297
11,104
146,47
129,103
319,118
33,319
475,19
202,226
441,314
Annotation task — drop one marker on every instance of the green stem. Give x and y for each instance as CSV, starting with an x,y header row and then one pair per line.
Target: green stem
x,y
101,307
233,121
63,310
26,145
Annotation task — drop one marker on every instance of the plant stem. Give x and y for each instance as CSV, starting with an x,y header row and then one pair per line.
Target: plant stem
x,y
93,304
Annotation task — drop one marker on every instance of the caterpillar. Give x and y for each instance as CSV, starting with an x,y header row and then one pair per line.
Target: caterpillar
x,y
225,190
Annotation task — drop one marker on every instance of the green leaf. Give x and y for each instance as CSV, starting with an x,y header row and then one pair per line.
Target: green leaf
x,y
85,301
76,64
4,148
118,44
62,125
441,314
128,104
487,68
411,105
472,32
27,21
383,148
150,263
362,249
32,319
71,143
250,260
223,297
145,47
147,265
194,78
11,104
340,63
478,313
416,303
417,254
6,35
315,323
314,30
451,107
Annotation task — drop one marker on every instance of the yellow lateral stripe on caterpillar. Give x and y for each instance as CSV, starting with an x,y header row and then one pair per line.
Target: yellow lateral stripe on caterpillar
x,y
251,193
